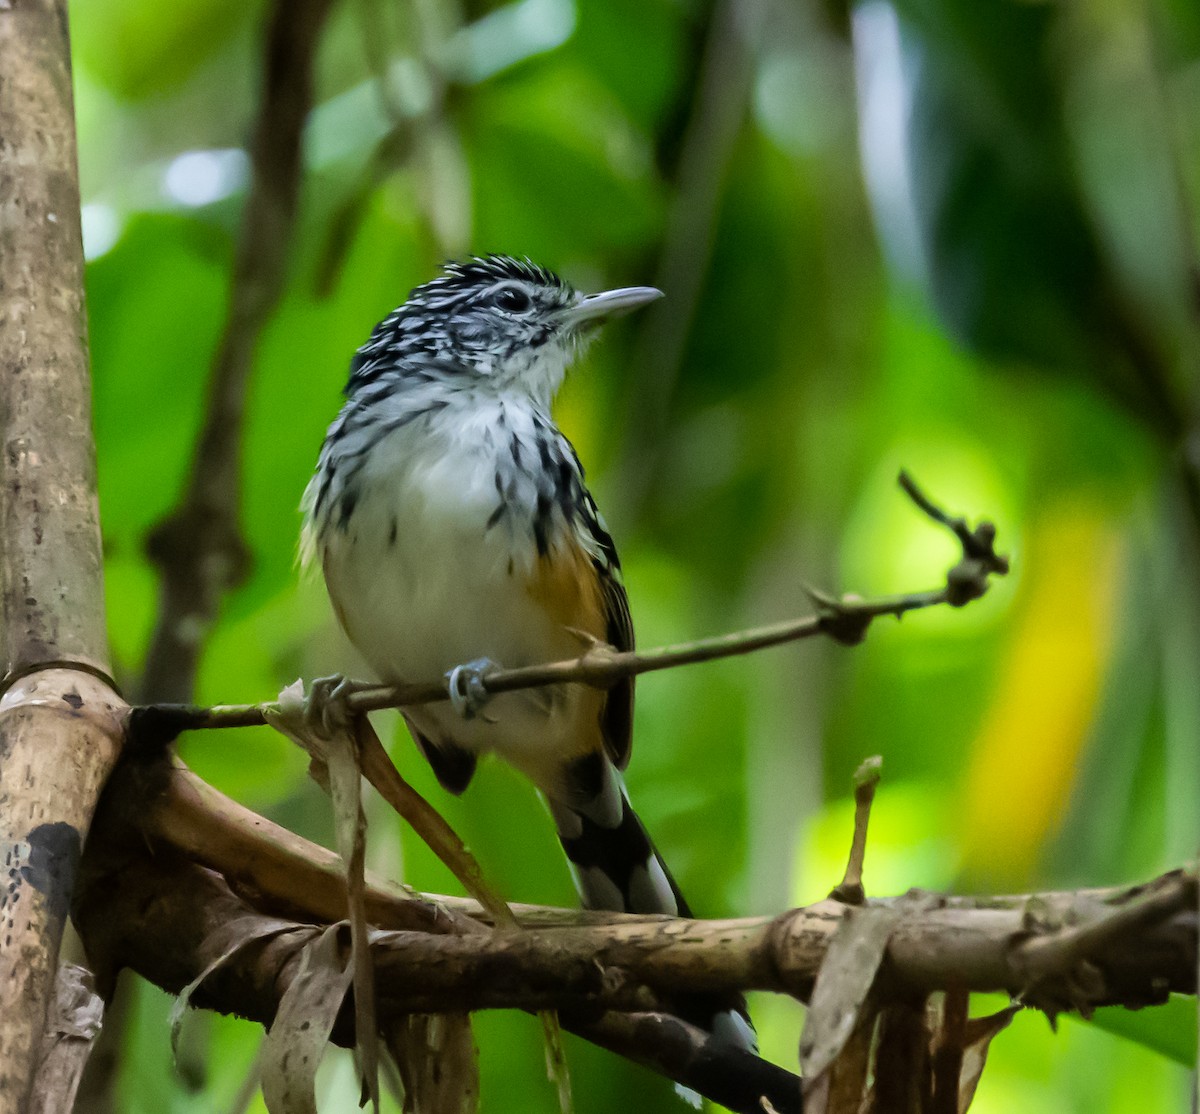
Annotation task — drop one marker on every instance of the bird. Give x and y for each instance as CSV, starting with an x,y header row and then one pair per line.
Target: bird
x,y
452,522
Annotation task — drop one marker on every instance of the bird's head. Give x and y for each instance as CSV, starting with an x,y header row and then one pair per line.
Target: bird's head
x,y
491,322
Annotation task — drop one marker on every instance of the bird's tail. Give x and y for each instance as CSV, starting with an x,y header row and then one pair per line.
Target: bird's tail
x,y
617,867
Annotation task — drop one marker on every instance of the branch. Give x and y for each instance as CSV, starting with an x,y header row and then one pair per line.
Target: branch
x,y
198,548
168,918
845,620
577,960
1028,945
286,874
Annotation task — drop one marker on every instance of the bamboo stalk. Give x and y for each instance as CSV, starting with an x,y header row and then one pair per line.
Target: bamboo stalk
x,y
60,720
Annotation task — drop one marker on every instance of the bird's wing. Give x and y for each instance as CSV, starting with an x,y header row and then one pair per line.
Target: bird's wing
x,y
616,718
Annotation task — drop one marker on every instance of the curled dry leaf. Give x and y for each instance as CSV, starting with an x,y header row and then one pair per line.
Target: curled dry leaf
x,y
979,1033
74,1021
335,766
300,1032
842,985
438,1063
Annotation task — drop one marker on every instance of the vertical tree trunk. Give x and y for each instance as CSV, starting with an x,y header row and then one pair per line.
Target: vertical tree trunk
x,y
60,720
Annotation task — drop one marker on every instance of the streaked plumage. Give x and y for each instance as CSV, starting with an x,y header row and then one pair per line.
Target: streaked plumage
x,y
452,522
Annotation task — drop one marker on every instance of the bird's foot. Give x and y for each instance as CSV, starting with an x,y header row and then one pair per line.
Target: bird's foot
x,y
468,694
325,709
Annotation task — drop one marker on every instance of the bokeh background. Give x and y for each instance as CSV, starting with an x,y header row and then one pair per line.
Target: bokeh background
x,y
952,235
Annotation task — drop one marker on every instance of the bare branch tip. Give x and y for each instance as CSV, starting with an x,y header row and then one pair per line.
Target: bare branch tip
x,y
969,579
867,776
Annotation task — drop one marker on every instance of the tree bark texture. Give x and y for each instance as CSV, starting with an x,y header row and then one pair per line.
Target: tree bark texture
x,y
60,721
52,577
168,918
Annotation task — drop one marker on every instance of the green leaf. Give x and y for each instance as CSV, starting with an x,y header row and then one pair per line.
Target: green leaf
x,y
1169,1028
1014,261
138,49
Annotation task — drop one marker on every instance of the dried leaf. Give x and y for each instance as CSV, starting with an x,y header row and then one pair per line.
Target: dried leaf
x,y
78,1011
979,1034
902,1079
438,1064
350,828
946,1019
74,1020
557,1070
307,1011
842,985
335,766
240,933
843,1086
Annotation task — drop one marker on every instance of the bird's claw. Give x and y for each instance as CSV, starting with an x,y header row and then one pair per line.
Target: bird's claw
x,y
325,708
464,683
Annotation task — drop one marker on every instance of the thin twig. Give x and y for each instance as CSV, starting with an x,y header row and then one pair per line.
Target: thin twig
x,y
845,620
428,823
599,666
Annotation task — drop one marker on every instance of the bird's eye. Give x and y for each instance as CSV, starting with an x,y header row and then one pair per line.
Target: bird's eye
x,y
512,298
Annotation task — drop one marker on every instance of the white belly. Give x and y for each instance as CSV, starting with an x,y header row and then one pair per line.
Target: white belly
x,y
422,583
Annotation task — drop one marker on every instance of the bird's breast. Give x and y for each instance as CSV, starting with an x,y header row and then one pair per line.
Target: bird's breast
x,y
455,550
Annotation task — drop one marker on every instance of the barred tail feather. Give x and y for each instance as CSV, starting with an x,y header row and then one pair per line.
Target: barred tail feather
x,y
617,867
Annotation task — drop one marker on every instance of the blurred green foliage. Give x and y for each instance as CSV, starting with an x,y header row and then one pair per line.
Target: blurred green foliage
x,y
954,235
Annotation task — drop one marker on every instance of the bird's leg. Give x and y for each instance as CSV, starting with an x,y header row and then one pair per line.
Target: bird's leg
x,y
325,708
464,683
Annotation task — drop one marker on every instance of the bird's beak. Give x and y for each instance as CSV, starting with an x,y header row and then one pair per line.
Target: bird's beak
x,y
598,308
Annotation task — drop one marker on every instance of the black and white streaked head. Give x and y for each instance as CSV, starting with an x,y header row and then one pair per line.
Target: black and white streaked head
x,y
491,323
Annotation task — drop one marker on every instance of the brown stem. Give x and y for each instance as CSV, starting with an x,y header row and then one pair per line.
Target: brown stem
x,y
866,778
428,823
845,620
599,666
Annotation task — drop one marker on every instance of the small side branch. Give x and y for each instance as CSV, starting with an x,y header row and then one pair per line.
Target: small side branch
x,y
866,778
845,620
